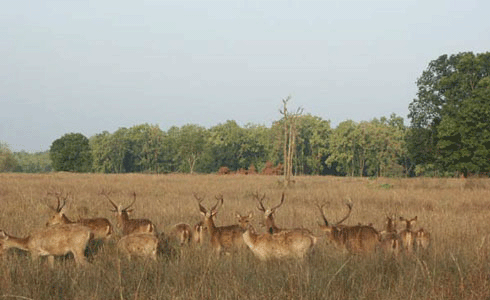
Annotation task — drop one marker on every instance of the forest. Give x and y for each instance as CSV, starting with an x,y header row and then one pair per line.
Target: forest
x,y
448,135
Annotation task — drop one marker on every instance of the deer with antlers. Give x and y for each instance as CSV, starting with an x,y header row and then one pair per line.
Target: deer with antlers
x,y
100,227
52,241
355,239
268,221
130,225
223,238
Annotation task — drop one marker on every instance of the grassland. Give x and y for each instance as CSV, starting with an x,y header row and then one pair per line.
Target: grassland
x,y
455,211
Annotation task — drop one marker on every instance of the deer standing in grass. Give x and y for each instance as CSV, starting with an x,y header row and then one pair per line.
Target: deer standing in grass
x,y
268,221
140,244
407,235
422,239
355,239
292,244
223,238
100,227
52,241
130,225
390,239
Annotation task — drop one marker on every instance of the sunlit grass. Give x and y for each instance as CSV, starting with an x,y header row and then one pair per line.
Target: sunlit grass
x,y
457,265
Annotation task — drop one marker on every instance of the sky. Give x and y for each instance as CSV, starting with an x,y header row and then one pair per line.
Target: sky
x,y
74,66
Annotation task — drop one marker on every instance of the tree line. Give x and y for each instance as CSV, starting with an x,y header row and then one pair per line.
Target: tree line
x,y
449,134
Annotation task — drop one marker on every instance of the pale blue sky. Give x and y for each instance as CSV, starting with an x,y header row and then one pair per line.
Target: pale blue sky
x,y
89,66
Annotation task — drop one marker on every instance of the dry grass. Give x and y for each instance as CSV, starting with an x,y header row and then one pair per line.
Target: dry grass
x,y
455,211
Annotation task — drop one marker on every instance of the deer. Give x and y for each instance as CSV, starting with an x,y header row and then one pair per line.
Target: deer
x,y
407,235
422,239
52,241
130,225
281,245
183,233
269,216
139,244
223,238
390,239
100,227
355,239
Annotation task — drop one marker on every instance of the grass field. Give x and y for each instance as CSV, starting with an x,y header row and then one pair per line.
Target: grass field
x,y
455,211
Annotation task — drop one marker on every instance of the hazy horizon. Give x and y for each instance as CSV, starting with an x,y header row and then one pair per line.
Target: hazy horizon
x,y
94,66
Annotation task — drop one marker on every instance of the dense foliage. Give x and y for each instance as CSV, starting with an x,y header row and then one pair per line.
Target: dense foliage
x,y
450,116
449,134
72,153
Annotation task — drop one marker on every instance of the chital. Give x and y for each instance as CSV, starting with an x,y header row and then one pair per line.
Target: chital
x,y
355,239
100,227
130,225
223,238
52,241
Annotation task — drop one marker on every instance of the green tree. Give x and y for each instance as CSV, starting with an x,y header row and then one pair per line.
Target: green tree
x,y
8,163
464,135
38,162
449,84
188,143
71,152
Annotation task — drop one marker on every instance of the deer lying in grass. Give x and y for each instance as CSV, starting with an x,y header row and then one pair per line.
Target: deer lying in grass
x,y
140,244
390,239
100,227
130,225
268,222
281,245
52,241
223,238
355,239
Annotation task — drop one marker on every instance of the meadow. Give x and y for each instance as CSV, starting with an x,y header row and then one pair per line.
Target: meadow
x,y
455,211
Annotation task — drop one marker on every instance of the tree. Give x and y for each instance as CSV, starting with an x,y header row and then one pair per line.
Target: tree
x,y
445,89
290,123
189,143
71,152
7,160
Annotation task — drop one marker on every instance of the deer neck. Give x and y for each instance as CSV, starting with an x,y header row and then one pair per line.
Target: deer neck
x,y
65,219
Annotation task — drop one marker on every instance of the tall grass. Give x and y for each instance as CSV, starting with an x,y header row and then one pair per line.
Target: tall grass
x,y
457,265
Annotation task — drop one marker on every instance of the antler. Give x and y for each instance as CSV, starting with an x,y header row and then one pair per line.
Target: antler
x,y
261,207
349,205
277,206
59,196
320,207
199,200
219,199
134,195
113,204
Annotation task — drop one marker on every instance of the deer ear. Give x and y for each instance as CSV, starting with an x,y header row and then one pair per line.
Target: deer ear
x,y
250,215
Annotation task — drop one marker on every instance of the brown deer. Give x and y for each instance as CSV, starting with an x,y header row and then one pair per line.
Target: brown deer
x,y
390,239
223,238
281,245
407,235
355,239
52,241
139,244
100,227
268,222
182,233
422,239
130,225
